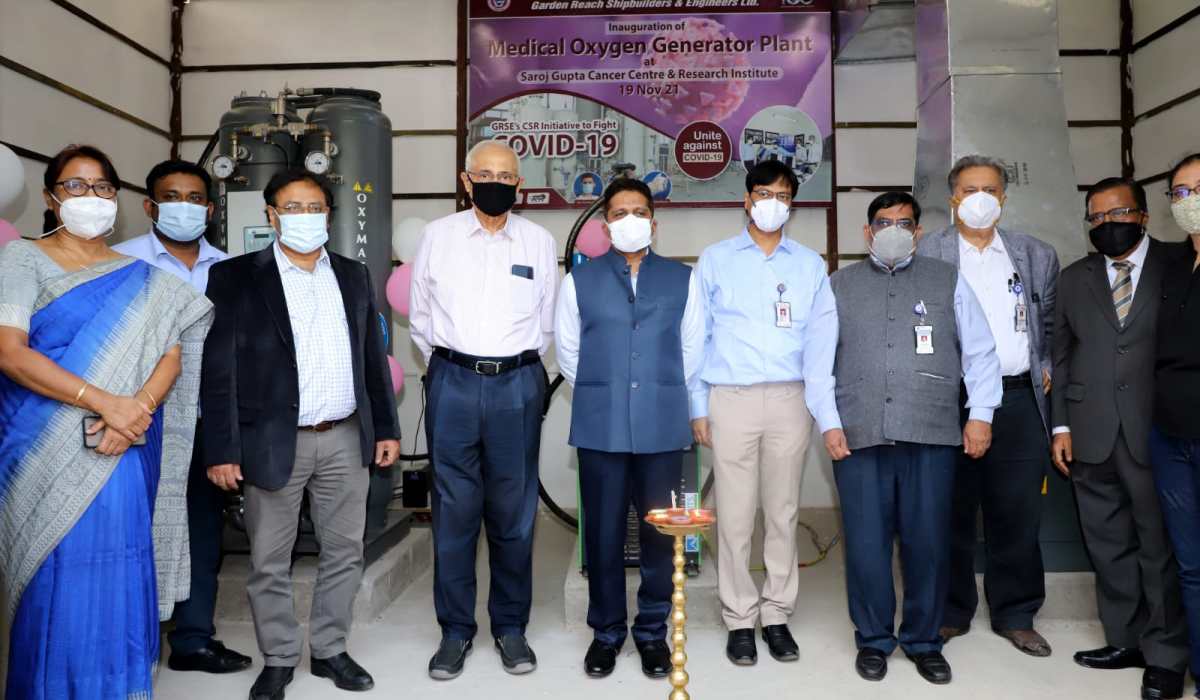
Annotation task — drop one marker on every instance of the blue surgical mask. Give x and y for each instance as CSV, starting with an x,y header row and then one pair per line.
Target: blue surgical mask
x,y
303,233
181,221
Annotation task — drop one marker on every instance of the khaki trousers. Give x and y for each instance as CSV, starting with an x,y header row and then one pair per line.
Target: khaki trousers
x,y
759,434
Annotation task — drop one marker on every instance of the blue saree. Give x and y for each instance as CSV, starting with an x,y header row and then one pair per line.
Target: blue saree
x,y
93,548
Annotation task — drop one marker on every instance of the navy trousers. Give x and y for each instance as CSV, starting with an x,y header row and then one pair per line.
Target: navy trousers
x,y
1007,483
1176,465
484,433
607,482
205,506
888,491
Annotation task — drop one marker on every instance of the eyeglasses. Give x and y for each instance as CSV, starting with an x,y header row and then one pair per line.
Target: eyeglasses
x,y
764,193
77,187
880,224
505,178
1182,192
301,208
1112,215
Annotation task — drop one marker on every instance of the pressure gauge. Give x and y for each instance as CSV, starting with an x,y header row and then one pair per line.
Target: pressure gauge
x,y
223,167
317,163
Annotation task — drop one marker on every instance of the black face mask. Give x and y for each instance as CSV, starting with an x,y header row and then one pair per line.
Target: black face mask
x,y
493,198
1116,238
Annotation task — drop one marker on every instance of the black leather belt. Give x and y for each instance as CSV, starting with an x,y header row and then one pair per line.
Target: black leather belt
x,y
1018,381
325,426
488,366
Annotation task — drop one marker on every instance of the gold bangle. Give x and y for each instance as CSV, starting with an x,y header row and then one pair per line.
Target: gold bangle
x,y
78,396
153,402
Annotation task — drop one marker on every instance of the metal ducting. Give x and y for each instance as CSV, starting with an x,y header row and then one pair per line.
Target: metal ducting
x,y
876,31
989,82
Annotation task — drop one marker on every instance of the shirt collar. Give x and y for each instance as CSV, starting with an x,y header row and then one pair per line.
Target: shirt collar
x,y
208,253
285,263
744,242
1138,258
995,246
474,228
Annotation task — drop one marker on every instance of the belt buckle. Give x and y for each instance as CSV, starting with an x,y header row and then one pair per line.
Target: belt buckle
x,y
495,367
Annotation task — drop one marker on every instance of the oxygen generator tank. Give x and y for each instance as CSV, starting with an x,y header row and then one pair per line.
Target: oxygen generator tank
x,y
241,177
361,165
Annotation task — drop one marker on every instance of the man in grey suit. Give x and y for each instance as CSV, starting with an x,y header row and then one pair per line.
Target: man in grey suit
x,y
1102,404
1014,276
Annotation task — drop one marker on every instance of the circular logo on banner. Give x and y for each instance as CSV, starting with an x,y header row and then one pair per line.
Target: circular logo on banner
x,y
703,150
499,5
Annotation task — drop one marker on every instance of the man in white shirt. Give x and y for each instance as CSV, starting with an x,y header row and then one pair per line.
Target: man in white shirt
x,y
482,313
630,335
179,210
1014,275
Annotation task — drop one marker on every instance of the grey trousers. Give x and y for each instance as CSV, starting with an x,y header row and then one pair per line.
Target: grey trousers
x,y
1137,579
329,466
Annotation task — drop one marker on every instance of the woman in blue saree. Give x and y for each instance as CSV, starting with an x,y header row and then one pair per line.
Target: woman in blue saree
x,y
93,541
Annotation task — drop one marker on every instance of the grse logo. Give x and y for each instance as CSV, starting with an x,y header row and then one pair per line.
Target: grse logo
x,y
499,5
797,3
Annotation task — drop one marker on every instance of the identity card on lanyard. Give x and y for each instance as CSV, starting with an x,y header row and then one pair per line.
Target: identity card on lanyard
x,y
1020,312
923,331
783,309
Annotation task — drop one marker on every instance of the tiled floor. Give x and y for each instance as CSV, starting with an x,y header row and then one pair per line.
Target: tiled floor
x,y
396,650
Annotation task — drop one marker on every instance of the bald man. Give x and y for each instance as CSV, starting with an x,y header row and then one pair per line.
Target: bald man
x,y
482,315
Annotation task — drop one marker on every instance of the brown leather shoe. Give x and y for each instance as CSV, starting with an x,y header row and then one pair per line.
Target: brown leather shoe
x,y
1027,641
948,633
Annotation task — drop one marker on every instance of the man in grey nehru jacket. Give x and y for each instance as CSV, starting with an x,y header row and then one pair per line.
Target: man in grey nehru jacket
x,y
910,331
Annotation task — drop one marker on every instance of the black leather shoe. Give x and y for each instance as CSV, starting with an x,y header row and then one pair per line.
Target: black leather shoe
x,y
213,658
601,659
515,654
1111,658
270,683
447,663
656,658
932,666
343,671
780,643
871,664
1161,684
741,648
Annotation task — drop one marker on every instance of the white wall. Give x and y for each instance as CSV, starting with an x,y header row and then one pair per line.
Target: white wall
x,y
1161,74
231,32
40,118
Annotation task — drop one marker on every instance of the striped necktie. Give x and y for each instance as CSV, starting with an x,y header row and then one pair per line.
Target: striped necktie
x,y
1122,290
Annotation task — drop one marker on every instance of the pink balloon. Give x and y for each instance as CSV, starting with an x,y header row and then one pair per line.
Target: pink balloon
x,y
8,232
397,374
398,288
592,240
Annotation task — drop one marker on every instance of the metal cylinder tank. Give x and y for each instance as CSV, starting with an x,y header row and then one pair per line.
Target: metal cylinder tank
x,y
361,177
242,223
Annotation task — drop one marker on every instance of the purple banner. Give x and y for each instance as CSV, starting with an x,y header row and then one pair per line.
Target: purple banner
x,y
684,101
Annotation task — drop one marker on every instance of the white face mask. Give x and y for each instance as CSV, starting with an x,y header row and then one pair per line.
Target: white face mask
x,y
770,215
87,217
630,233
979,211
1187,213
892,246
303,233
181,221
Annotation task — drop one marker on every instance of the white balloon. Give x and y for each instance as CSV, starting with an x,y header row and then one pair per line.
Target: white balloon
x,y
406,238
12,176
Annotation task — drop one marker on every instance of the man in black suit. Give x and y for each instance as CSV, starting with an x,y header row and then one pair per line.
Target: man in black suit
x,y
297,397
1102,404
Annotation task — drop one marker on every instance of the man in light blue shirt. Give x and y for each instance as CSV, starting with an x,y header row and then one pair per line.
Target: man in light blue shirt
x,y
179,209
770,319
